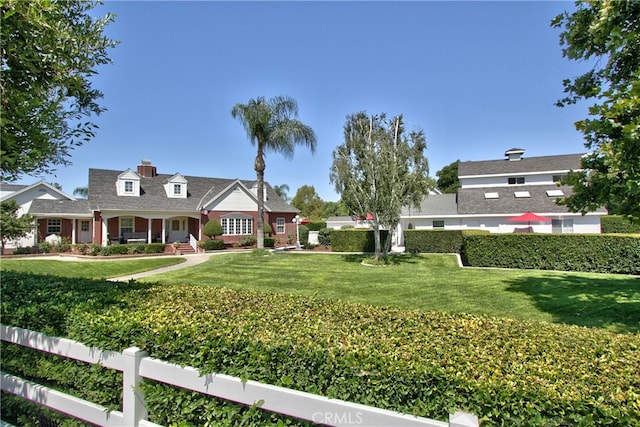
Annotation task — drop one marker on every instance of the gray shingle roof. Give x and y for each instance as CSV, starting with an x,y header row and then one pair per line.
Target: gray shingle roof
x,y
473,201
60,207
103,195
563,162
434,204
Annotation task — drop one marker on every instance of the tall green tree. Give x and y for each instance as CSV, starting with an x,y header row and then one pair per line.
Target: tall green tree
x,y
82,192
309,202
380,168
272,125
448,181
334,209
607,34
50,50
13,226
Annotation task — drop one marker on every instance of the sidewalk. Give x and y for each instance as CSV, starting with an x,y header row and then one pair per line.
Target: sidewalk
x,y
191,260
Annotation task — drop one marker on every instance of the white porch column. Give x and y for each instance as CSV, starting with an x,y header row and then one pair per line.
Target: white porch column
x,y
164,230
74,234
104,231
149,222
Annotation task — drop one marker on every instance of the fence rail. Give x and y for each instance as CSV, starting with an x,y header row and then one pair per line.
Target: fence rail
x,y
136,365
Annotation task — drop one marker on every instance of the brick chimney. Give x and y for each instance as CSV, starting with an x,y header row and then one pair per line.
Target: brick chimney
x,y
146,169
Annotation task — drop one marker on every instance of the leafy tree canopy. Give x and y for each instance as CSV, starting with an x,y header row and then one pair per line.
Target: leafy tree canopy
x,y
448,178
379,169
335,209
309,202
13,226
50,49
606,33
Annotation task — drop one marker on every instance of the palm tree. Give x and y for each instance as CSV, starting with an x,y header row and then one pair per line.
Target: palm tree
x,y
282,191
81,191
272,125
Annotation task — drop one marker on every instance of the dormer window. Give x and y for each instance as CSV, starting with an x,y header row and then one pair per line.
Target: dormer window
x,y
176,187
128,184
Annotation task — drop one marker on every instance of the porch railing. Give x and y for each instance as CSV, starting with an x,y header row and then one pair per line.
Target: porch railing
x,y
135,365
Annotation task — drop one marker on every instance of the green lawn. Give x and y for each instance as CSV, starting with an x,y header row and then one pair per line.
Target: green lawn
x,y
89,269
431,282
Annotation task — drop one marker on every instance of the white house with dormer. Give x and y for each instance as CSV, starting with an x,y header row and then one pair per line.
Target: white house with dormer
x,y
493,192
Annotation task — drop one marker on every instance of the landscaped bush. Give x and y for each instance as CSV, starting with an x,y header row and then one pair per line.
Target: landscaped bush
x,y
44,247
22,250
430,364
212,229
618,224
212,245
316,225
568,252
324,236
154,248
355,240
247,240
303,232
114,250
269,242
429,241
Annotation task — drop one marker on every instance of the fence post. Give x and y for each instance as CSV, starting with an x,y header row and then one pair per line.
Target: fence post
x,y
133,406
463,419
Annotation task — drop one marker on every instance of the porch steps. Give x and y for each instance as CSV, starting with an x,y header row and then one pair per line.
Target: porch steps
x,y
186,249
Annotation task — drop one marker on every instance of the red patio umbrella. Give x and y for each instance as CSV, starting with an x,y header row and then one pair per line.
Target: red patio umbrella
x,y
528,217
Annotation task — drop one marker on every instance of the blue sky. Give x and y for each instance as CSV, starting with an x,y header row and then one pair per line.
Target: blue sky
x,y
477,77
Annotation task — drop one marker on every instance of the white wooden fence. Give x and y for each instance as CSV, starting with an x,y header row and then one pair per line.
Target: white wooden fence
x,y
135,365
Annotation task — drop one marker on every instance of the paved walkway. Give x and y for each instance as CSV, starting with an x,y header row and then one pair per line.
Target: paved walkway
x,y
191,260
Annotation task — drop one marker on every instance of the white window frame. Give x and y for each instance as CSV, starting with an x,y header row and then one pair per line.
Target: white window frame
x,y
280,225
234,226
128,186
85,225
54,226
177,189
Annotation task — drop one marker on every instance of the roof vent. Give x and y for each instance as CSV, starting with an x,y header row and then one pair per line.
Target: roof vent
x,y
514,154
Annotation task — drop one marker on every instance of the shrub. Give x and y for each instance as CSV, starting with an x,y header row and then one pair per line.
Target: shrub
x,y
248,240
507,372
303,231
154,248
316,225
22,250
212,229
568,252
324,236
618,224
267,228
44,247
95,249
269,242
433,241
114,250
212,245
64,245
355,240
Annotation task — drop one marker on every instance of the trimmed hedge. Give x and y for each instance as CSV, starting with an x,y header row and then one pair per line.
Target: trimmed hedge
x,y
427,241
355,240
596,253
618,224
212,244
430,364
316,225
269,242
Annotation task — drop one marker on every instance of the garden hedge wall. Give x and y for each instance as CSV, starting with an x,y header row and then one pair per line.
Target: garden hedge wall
x,y
430,364
618,224
355,240
436,241
598,253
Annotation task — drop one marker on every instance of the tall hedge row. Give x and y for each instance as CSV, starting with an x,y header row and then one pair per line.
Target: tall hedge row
x,y
436,242
355,240
430,364
596,253
618,224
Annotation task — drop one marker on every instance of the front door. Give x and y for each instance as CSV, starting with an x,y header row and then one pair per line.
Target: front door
x,y
85,235
178,230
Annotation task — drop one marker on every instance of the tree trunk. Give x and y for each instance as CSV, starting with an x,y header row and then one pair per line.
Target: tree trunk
x,y
260,167
376,237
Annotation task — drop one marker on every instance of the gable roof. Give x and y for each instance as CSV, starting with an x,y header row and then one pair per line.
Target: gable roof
x,y
433,204
562,162
20,189
103,195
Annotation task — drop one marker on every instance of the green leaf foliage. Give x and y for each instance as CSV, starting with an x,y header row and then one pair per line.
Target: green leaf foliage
x,y
618,224
508,372
213,228
596,253
212,244
355,240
